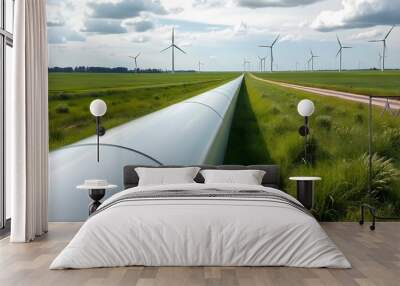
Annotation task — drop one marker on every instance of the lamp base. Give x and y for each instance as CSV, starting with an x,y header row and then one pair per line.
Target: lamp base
x,y
96,195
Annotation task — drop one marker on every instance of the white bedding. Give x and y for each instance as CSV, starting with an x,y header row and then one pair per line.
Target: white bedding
x,y
200,231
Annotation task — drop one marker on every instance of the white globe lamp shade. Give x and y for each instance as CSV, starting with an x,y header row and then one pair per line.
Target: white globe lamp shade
x,y
98,107
305,108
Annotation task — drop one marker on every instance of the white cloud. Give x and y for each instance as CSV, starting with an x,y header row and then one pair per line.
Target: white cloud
x,y
274,3
290,38
209,3
139,24
186,44
140,39
62,35
241,29
55,23
104,26
125,8
359,14
368,35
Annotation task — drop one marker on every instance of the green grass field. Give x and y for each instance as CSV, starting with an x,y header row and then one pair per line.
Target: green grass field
x,y
265,131
128,96
364,82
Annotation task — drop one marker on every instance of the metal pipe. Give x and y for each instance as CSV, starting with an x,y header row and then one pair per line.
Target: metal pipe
x,y
370,145
98,137
306,139
191,132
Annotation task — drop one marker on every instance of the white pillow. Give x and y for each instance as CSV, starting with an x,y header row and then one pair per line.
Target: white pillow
x,y
166,176
247,177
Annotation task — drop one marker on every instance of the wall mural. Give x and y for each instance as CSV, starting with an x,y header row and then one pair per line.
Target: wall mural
x,y
174,94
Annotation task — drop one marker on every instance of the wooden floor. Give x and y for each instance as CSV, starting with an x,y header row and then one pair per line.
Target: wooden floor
x,y
375,257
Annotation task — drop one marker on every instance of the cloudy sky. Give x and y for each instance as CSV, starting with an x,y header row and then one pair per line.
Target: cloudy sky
x,y
220,33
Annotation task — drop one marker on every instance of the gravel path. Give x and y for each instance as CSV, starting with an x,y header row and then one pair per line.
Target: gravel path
x,y
382,102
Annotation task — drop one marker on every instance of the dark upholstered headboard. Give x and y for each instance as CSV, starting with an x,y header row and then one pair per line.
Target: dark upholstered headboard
x,y
271,177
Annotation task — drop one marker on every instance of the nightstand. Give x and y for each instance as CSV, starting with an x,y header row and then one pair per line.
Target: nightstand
x,y
97,189
305,190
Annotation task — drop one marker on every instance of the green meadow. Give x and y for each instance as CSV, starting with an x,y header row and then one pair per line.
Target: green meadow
x,y
265,130
128,96
364,82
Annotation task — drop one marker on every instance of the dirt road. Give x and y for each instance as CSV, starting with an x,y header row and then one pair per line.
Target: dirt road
x,y
382,102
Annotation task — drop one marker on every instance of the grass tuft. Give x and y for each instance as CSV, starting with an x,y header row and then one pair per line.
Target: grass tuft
x,y
324,122
62,108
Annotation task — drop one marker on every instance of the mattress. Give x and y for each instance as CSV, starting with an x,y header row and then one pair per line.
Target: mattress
x,y
201,225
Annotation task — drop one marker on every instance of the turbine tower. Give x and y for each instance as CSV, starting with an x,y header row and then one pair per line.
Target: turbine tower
x,y
312,59
339,53
173,46
261,62
384,47
271,48
200,64
135,59
308,64
265,60
380,58
245,64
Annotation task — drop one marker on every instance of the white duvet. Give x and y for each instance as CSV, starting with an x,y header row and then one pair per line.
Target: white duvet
x,y
202,232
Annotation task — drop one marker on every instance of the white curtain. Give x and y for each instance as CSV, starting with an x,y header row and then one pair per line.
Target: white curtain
x,y
27,122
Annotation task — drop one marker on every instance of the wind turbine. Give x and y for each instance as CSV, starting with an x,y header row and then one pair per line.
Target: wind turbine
x,y
312,59
339,53
173,46
245,63
384,47
265,60
135,58
271,47
261,62
307,65
200,64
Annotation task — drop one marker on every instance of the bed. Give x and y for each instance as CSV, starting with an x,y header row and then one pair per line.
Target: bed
x,y
201,224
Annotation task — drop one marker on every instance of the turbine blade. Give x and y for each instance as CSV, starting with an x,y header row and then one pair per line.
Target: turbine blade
x,y
340,44
264,46
275,40
347,47
179,49
166,49
338,52
387,35
375,41
137,55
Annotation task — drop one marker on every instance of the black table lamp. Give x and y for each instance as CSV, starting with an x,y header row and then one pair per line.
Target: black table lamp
x,y
98,108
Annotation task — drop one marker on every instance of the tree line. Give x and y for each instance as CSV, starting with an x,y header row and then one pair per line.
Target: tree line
x,y
106,70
